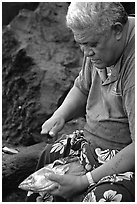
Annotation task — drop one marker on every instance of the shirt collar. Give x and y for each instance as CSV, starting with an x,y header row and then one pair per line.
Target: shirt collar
x,y
113,72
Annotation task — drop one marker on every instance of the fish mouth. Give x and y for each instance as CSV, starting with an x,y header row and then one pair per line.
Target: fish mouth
x,y
27,186
24,186
34,189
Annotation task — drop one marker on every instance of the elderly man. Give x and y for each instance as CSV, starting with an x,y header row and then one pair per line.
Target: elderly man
x,y
104,91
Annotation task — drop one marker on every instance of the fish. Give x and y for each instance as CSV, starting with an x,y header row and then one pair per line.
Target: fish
x,y
38,181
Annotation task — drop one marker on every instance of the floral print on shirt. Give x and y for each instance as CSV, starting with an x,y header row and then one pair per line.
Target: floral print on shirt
x,y
105,155
111,196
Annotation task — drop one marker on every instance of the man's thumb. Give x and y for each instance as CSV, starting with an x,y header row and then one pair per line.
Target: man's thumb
x,y
55,177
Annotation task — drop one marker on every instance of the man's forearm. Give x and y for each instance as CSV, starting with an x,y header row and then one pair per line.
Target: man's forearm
x,y
122,162
73,105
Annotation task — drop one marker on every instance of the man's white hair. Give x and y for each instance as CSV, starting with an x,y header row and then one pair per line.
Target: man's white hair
x,y
99,16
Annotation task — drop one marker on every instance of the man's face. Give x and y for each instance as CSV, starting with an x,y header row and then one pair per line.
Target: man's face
x,y
103,49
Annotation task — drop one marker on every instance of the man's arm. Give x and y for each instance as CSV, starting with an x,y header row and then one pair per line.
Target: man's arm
x,y
73,106
122,162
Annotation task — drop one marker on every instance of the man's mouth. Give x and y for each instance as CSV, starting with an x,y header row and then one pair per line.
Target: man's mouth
x,y
96,61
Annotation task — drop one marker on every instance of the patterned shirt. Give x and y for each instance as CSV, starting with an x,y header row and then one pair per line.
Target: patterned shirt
x,y
110,113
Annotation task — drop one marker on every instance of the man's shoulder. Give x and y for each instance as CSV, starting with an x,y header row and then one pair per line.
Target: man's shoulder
x,y
128,73
128,65
131,19
131,28
129,51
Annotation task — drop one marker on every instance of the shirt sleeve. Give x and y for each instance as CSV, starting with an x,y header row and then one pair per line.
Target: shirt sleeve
x,y
129,101
83,81
129,95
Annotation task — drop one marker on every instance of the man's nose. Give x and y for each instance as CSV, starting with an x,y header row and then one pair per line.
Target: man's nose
x,y
88,51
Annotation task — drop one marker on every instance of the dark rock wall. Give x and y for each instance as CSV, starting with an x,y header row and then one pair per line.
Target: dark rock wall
x,y
129,7
40,63
15,168
11,9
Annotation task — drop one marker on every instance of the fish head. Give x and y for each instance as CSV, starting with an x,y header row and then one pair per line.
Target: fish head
x,y
37,181
27,183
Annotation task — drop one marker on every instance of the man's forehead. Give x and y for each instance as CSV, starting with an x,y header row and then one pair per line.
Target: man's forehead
x,y
85,37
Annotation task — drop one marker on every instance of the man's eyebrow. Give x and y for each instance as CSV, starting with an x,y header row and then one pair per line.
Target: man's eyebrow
x,y
88,43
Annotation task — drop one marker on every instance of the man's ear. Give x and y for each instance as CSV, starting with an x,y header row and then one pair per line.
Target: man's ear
x,y
118,29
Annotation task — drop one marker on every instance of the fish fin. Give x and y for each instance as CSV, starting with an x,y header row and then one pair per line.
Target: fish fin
x,y
66,169
57,162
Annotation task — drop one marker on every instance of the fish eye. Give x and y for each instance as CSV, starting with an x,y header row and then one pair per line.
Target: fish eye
x,y
31,179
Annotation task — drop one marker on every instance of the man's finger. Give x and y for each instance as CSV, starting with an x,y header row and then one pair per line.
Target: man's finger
x,y
45,130
55,177
56,128
51,133
51,188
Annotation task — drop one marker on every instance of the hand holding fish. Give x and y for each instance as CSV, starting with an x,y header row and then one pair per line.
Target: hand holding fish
x,y
67,185
68,173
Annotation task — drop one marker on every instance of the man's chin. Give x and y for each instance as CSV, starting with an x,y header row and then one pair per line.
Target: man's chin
x,y
100,66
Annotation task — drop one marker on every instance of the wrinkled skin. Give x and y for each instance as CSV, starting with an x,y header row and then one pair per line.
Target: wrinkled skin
x,y
67,185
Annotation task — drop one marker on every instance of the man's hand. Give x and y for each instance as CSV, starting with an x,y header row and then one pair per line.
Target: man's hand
x,y
67,185
53,125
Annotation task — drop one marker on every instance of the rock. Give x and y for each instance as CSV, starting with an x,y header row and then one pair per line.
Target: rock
x,y
15,168
11,9
129,7
40,63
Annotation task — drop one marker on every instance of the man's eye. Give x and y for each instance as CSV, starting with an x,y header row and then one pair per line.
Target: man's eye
x,y
93,45
88,44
